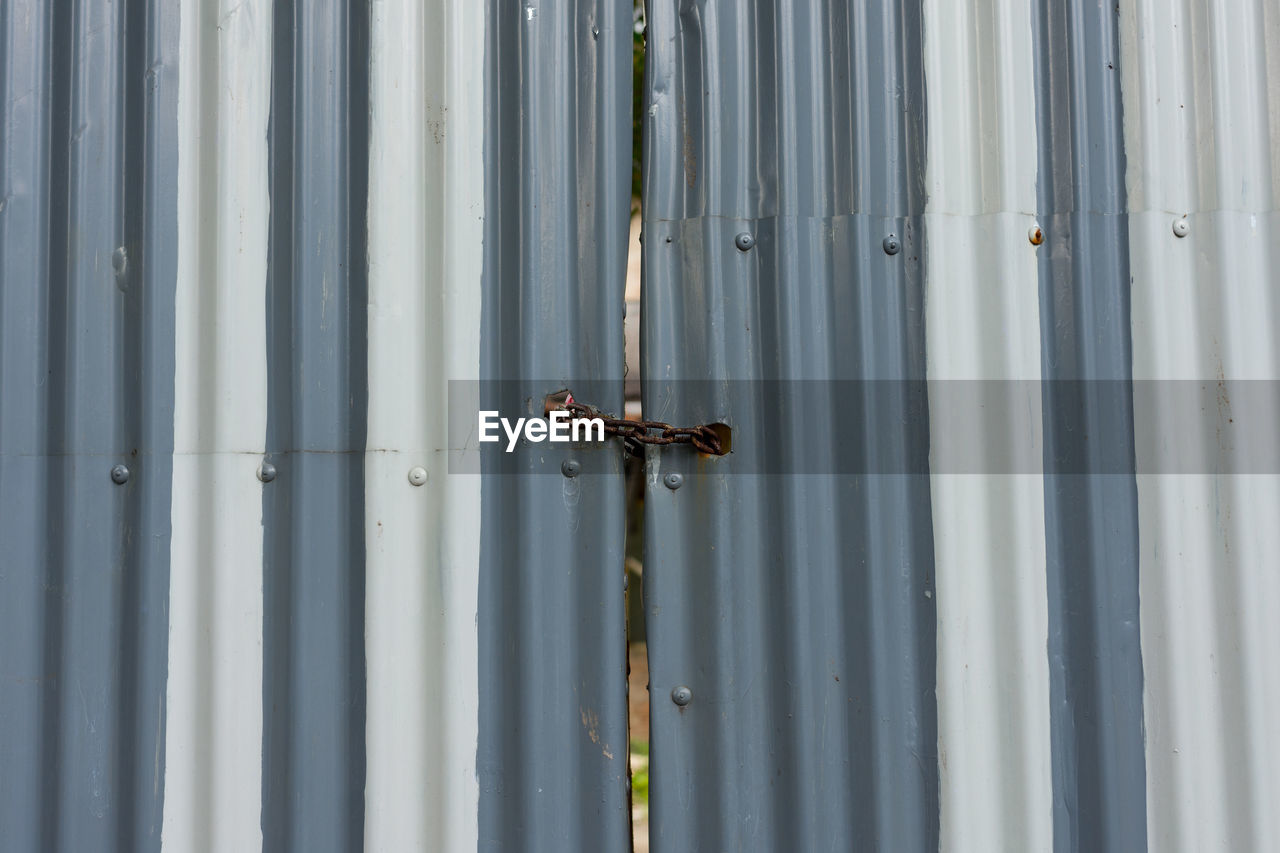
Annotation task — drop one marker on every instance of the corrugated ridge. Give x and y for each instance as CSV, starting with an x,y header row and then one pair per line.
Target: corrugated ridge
x,y
797,611
86,248
553,750
313,515
1091,519
732,109
983,328
426,196
1199,82
213,768
1202,112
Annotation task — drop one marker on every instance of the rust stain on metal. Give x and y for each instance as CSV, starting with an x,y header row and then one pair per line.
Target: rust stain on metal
x,y
690,156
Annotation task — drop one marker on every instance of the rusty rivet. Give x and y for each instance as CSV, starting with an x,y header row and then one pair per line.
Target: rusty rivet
x,y
744,242
891,245
570,468
119,475
1181,227
418,475
673,481
682,696
266,472
1035,235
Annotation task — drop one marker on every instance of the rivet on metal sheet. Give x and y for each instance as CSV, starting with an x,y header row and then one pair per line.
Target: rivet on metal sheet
x,y
418,475
744,242
266,472
1035,235
891,245
1181,227
119,475
682,696
673,481
570,468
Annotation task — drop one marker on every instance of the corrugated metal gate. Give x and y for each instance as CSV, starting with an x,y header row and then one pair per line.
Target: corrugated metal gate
x,y
795,606
260,257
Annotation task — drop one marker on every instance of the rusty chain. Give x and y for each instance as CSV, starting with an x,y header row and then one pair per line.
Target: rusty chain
x,y
705,438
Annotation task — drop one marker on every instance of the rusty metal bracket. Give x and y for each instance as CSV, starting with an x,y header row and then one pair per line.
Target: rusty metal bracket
x,y
712,439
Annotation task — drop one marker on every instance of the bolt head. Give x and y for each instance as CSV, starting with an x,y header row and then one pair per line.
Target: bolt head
x,y
673,481
682,696
570,468
744,242
1035,235
1181,227
266,472
119,474
891,245
418,475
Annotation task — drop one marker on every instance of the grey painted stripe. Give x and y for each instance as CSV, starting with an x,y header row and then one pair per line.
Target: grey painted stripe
x,y
552,753
1091,521
313,512
798,610
86,382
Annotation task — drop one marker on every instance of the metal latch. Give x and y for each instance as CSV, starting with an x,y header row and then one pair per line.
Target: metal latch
x,y
712,439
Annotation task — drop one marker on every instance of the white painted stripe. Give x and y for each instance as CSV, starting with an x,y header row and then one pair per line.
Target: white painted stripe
x,y
213,749
1202,110
426,203
983,322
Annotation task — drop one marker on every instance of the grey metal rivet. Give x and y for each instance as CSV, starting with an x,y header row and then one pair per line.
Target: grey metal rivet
x,y
418,475
744,242
266,472
119,475
891,245
682,696
1035,235
673,481
570,467
1181,227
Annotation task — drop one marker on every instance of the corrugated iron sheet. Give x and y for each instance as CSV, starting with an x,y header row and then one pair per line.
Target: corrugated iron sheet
x,y
213,767
1090,495
553,752
88,251
1201,89
797,610
313,738
247,601
1025,134
423,542
982,316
